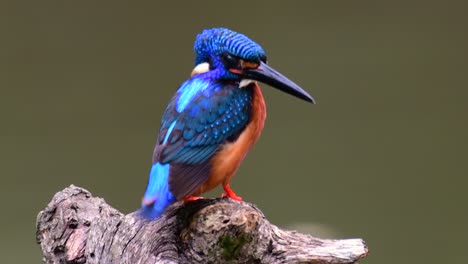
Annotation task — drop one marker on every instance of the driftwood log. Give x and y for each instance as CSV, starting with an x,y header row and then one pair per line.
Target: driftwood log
x,y
79,228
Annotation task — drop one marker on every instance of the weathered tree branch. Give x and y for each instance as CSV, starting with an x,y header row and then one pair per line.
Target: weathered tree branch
x,y
78,228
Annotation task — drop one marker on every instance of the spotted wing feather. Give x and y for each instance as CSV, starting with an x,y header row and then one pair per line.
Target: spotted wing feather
x,y
217,114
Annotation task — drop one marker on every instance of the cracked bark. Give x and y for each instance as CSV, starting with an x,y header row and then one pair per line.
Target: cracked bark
x,y
78,228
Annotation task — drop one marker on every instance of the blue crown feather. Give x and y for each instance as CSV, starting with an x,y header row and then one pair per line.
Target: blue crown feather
x,y
216,41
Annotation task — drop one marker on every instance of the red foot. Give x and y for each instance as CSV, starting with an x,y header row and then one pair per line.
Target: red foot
x,y
191,198
230,193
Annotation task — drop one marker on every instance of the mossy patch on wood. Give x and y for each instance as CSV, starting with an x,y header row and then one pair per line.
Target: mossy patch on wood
x,y
232,245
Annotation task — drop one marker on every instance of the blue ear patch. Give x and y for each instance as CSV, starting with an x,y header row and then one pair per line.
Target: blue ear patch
x,y
157,196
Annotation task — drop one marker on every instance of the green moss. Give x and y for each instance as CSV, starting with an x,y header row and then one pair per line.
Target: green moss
x,y
232,246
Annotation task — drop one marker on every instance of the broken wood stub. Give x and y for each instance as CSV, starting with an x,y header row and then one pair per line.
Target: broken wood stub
x,y
78,228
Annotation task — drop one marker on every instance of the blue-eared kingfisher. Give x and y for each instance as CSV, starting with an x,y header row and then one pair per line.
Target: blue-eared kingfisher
x,y
213,120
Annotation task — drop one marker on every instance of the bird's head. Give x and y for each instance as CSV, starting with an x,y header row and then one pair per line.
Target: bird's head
x,y
234,56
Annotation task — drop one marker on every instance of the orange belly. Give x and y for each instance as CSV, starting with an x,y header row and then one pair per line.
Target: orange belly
x,y
226,162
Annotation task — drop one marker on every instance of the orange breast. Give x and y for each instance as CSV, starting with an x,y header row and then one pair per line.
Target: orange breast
x,y
228,159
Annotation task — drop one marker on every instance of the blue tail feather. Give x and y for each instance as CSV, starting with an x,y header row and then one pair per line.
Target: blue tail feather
x,y
157,196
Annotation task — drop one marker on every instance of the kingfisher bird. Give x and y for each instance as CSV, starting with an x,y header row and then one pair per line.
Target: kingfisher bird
x,y
213,120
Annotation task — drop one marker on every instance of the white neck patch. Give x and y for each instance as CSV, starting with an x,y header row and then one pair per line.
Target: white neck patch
x,y
200,68
244,82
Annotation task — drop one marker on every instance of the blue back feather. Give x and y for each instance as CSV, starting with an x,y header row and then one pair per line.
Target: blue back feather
x,y
188,91
214,113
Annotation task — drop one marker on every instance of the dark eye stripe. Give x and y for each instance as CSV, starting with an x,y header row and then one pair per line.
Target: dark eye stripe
x,y
230,61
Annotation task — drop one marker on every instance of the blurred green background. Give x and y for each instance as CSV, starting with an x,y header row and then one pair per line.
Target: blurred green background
x,y
382,156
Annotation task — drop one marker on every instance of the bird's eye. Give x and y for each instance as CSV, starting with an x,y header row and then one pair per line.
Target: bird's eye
x,y
263,58
230,61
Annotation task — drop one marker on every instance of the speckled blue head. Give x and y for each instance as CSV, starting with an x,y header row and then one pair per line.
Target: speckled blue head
x,y
212,43
234,56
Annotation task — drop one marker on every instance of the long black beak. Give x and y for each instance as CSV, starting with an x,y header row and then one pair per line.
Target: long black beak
x,y
266,74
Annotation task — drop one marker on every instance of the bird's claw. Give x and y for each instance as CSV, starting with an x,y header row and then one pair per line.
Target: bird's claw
x,y
191,198
230,193
234,197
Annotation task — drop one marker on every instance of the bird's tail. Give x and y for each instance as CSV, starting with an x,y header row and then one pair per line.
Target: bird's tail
x,y
157,196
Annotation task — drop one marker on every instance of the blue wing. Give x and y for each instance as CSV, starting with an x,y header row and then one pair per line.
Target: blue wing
x,y
202,116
